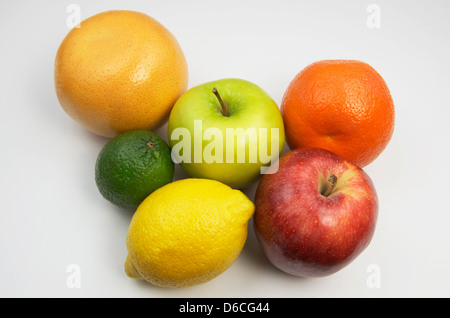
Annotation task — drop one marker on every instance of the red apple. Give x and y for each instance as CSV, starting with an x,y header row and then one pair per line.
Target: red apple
x,y
316,214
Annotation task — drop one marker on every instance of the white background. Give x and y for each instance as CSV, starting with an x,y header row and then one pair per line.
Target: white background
x,y
52,215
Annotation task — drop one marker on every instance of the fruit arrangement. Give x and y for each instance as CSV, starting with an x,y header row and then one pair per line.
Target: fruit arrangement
x,y
123,74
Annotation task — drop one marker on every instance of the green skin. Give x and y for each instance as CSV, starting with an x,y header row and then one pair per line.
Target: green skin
x,y
131,166
248,106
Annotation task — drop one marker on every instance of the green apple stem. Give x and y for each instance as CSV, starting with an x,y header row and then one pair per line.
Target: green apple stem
x,y
332,183
222,103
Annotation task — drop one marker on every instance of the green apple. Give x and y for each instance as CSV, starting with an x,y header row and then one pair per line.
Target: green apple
x,y
228,130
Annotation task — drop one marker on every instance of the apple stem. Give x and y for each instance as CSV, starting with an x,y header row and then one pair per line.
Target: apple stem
x,y
332,180
222,103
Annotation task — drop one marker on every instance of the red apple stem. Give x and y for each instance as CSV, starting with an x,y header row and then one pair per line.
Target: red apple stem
x,y
332,180
222,103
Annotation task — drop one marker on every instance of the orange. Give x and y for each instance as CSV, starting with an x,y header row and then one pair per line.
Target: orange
x,y
342,106
121,70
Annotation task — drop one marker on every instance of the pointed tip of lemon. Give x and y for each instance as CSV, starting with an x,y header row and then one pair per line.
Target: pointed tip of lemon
x,y
131,270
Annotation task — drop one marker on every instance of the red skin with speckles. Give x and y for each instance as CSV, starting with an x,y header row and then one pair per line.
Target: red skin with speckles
x,y
305,233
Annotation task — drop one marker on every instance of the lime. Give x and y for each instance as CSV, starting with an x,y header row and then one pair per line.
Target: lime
x,y
131,166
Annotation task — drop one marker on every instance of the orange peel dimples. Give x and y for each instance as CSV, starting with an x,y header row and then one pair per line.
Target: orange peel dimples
x,y
342,106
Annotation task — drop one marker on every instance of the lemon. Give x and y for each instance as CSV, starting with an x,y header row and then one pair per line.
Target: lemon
x,y
187,233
